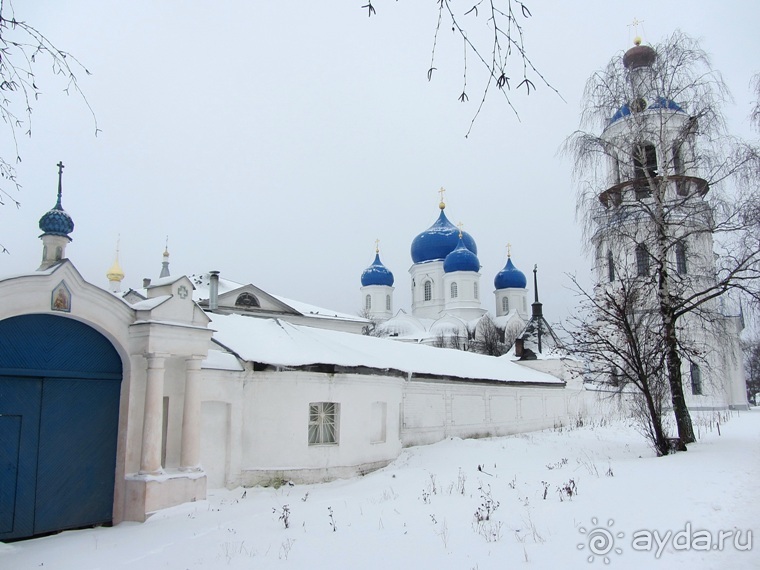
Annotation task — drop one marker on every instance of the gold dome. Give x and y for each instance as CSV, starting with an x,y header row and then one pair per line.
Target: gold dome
x,y
115,273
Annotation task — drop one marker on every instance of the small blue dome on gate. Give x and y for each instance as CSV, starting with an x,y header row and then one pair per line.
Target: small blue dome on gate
x,y
461,259
56,221
439,240
377,274
510,277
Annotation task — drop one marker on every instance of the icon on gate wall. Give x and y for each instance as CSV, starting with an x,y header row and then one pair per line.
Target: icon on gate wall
x,y
61,298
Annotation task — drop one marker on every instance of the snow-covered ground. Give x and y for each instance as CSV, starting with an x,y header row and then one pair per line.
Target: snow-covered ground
x,y
422,511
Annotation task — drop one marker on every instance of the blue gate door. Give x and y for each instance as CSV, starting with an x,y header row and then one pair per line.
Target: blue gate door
x,y
59,407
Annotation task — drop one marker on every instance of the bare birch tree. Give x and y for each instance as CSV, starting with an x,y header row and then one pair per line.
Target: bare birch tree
x,y
23,49
667,192
492,33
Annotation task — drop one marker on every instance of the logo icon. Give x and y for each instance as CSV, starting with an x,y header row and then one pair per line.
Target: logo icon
x,y
601,540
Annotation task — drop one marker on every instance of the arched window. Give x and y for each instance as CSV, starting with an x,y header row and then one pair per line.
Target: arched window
x,y
610,266
476,291
428,289
696,380
644,165
368,302
504,305
454,290
642,260
387,302
246,300
681,258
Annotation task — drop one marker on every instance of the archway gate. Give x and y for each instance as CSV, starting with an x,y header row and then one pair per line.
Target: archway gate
x,y
60,383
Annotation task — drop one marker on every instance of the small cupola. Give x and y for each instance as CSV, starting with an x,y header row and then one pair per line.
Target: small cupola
x,y
56,225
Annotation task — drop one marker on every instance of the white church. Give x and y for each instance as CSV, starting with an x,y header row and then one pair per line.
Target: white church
x,y
446,292
114,405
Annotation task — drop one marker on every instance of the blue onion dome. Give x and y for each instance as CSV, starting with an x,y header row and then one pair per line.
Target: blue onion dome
x,y
461,259
510,277
377,274
56,221
439,240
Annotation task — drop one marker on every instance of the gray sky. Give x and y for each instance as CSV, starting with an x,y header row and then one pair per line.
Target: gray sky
x,y
275,141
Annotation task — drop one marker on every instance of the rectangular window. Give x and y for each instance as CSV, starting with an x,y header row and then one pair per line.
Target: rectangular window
x,y
323,423
681,258
379,417
696,380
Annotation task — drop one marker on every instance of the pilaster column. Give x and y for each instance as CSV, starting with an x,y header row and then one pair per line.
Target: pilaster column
x,y
190,455
153,418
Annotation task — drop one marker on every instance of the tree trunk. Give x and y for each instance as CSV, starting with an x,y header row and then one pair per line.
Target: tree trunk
x,y
681,411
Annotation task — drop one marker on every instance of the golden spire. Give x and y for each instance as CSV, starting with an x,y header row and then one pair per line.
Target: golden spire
x,y
509,250
166,248
377,245
460,225
115,273
442,204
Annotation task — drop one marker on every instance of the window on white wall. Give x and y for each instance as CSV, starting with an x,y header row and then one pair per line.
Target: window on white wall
x,y
696,379
323,423
428,287
681,258
476,290
610,266
379,417
368,302
387,302
642,260
454,290
505,305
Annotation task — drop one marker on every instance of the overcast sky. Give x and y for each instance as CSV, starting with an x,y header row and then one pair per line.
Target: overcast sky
x,y
275,141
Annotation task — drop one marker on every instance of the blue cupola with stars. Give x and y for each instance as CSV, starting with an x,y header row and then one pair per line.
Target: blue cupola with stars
x,y
56,225
510,277
439,240
377,273
461,259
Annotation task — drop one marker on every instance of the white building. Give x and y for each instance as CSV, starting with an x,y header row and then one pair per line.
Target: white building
x,y
115,405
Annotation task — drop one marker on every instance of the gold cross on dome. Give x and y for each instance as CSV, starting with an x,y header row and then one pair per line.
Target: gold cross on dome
x,y
460,225
377,245
509,250
636,23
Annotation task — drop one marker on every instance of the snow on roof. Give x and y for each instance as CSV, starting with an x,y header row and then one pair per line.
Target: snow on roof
x,y
313,311
150,304
161,281
201,283
219,360
276,342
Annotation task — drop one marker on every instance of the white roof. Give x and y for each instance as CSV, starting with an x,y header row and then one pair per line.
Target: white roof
x,y
277,342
